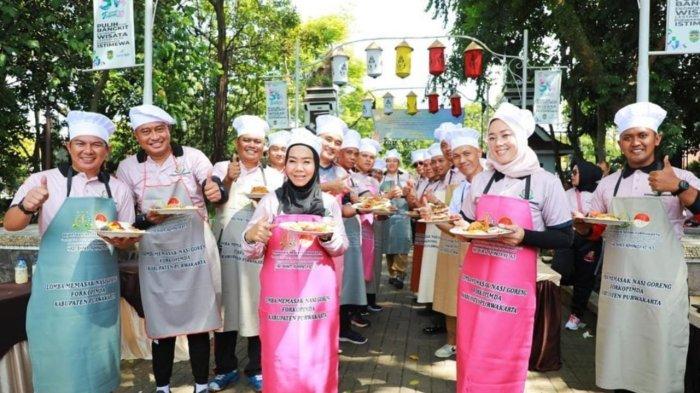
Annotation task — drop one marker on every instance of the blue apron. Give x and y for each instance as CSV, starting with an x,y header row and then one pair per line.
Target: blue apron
x,y
73,312
397,229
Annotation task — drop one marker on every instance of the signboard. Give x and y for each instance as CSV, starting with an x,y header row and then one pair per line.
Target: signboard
x,y
401,125
113,34
683,26
547,96
277,108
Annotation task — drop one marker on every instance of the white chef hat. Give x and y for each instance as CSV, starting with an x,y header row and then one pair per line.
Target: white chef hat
x,y
89,123
520,121
351,139
464,137
379,164
639,114
279,138
250,125
148,113
393,153
418,155
444,129
302,136
329,124
434,150
370,146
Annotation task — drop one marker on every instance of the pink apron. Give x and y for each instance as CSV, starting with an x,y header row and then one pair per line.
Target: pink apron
x,y
299,320
496,304
368,240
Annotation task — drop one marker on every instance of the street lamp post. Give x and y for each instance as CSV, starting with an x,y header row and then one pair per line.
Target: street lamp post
x,y
148,54
643,65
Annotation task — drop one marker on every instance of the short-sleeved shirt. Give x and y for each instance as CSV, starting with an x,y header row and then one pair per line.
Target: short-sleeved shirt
x,y
453,177
637,184
580,202
81,186
548,201
186,163
459,197
331,173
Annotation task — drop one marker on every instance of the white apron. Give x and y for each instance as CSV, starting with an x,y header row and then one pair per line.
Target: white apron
x,y
426,285
178,268
240,276
643,327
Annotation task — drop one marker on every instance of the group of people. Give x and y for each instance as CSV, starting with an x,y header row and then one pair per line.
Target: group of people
x,y
294,295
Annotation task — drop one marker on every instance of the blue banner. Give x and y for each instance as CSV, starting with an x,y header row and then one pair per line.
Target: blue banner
x,y
400,125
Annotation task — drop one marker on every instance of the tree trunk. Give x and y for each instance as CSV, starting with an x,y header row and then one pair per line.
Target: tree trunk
x,y
46,156
220,121
601,133
36,154
97,93
555,149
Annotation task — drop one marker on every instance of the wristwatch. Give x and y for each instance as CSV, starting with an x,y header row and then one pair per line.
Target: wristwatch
x,y
21,207
682,186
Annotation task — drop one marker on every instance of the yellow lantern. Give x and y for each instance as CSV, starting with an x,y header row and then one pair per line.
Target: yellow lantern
x,y
403,59
411,103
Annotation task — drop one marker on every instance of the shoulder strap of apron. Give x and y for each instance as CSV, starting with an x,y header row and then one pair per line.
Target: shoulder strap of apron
x,y
262,170
617,185
461,203
102,176
488,185
527,185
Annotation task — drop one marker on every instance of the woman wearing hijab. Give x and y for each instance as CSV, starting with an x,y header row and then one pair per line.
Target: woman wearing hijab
x,y
577,264
299,290
496,305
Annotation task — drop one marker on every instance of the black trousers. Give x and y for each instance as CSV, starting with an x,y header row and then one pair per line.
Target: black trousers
x,y
346,313
584,278
225,354
164,353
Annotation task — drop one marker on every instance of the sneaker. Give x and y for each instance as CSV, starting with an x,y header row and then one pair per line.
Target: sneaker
x,y
201,391
446,351
398,283
220,381
574,323
392,280
353,337
375,308
359,321
364,312
256,382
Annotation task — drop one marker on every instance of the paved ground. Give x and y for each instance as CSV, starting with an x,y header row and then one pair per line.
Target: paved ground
x,y
399,358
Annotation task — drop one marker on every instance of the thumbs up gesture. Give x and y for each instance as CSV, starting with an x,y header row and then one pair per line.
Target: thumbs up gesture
x,y
36,197
664,180
211,189
260,232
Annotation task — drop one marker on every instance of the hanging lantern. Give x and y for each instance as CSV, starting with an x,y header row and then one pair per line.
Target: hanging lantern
x,y
433,102
339,62
374,60
473,60
388,104
436,58
456,105
411,103
403,59
367,105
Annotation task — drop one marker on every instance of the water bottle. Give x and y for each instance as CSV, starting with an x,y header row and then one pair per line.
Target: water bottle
x,y
21,273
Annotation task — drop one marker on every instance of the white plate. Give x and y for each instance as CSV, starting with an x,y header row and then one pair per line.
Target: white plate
x,y
289,226
257,195
605,221
434,221
175,210
117,234
461,231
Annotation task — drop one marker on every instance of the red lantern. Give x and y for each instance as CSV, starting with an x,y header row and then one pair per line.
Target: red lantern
x,y
433,102
473,60
456,105
436,53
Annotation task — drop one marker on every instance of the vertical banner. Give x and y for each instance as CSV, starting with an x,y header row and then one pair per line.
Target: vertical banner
x,y
683,26
113,35
547,96
277,109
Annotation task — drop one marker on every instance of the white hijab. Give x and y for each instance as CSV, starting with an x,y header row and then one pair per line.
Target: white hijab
x,y
522,123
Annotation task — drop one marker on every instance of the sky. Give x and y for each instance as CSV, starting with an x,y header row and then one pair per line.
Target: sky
x,y
389,18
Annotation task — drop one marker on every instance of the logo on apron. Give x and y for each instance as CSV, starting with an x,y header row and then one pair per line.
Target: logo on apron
x,y
641,220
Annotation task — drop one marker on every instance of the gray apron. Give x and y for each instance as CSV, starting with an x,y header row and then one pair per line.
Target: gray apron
x,y
353,290
397,230
177,269
642,327
240,276
379,228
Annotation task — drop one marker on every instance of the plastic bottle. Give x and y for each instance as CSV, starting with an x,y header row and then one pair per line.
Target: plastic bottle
x,y
21,273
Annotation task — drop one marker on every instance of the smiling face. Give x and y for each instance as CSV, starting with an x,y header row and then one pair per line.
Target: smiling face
x,y
154,138
575,178
638,145
503,147
250,149
331,147
466,159
392,165
446,151
87,153
365,162
348,158
440,166
428,169
300,165
419,167
276,155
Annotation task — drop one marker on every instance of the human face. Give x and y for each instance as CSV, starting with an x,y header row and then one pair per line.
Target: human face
x,y
466,159
503,147
419,168
575,179
366,162
440,166
348,158
276,155
392,165
446,151
154,138
377,174
250,149
300,165
331,147
428,169
87,153
638,145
